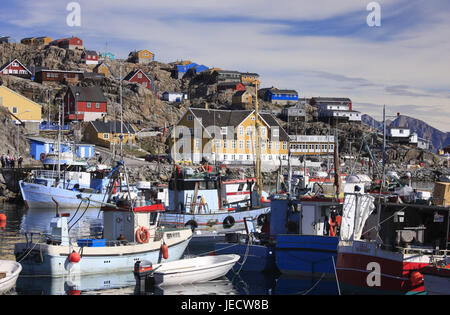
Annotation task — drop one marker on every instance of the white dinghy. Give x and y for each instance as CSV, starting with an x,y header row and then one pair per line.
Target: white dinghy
x,y
193,270
9,272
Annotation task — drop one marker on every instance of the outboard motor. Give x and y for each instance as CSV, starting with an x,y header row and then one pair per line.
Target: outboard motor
x,y
143,273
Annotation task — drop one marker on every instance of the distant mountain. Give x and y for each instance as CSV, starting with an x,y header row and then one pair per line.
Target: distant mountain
x,y
438,138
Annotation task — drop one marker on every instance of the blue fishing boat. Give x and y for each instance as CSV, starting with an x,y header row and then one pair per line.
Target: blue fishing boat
x,y
306,231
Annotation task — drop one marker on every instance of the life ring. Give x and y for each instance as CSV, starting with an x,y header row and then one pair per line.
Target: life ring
x,y
192,224
142,235
228,222
42,156
262,219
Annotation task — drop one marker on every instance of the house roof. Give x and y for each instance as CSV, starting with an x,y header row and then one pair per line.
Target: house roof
x,y
90,52
273,91
112,127
15,60
332,99
225,118
88,94
133,73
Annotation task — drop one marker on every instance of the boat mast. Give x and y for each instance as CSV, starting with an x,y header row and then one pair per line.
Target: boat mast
x,y
383,182
337,178
258,149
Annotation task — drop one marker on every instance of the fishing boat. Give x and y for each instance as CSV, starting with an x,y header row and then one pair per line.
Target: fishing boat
x,y
383,249
305,232
198,200
192,270
131,232
436,277
9,272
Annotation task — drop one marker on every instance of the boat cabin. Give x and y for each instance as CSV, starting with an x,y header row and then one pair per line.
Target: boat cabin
x,y
124,223
304,216
207,194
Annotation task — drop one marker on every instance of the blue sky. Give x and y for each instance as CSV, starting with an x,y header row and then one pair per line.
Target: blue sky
x,y
319,48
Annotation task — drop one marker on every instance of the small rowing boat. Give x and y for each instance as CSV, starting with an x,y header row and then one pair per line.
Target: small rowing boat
x,y
9,272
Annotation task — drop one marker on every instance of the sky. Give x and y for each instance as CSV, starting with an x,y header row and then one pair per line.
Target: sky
x,y
319,48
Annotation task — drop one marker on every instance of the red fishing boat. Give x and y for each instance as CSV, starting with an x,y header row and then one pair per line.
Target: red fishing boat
x,y
384,249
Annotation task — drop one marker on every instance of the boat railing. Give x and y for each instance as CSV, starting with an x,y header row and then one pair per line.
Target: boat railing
x,y
47,174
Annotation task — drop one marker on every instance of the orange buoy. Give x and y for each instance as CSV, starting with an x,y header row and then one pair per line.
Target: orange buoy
x,y
74,257
2,225
2,217
74,292
165,251
416,278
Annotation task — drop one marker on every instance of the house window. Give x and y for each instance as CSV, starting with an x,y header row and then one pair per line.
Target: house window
x,y
105,136
190,118
276,132
270,145
223,130
241,130
263,132
14,110
225,144
217,144
284,145
233,144
140,75
278,145
89,105
249,131
97,105
241,144
248,144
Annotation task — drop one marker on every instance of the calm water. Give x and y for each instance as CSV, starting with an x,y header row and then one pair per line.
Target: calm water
x,y
244,283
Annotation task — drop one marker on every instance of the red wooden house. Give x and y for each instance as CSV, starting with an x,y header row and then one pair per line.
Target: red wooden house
x,y
84,103
68,43
15,68
90,57
140,77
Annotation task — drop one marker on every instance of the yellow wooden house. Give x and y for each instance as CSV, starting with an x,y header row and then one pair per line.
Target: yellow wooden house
x,y
103,68
141,57
106,134
228,136
250,78
36,41
22,109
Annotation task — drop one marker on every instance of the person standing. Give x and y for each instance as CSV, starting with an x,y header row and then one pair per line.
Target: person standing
x,y
2,159
12,162
19,161
7,161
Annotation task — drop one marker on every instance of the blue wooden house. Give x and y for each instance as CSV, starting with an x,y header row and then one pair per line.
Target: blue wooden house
x,y
40,146
200,68
108,55
282,97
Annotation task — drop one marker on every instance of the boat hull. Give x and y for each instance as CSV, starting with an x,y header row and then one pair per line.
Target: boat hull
x,y
437,282
38,196
306,254
200,269
254,258
362,268
213,222
53,261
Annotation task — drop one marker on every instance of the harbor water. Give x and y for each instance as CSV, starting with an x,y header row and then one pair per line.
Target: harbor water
x,y
88,222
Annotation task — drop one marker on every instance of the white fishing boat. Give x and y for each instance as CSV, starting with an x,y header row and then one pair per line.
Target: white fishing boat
x,y
9,272
193,270
131,232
